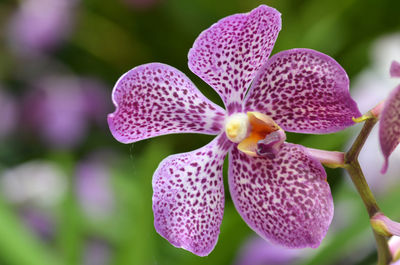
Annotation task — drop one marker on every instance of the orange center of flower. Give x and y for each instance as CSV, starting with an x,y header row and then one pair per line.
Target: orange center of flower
x,y
248,129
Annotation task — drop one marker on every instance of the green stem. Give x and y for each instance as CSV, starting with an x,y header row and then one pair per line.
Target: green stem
x,y
357,176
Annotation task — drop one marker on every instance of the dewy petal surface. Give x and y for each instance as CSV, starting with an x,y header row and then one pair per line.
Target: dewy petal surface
x,y
304,91
286,199
389,125
188,198
156,99
228,54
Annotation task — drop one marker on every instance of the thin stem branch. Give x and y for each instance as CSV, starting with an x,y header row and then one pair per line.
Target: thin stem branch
x,y
357,176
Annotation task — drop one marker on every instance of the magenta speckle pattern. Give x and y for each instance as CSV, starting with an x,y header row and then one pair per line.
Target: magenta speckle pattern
x,y
304,91
228,55
188,198
286,200
156,99
389,127
395,69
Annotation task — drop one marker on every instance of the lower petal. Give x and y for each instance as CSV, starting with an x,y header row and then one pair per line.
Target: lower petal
x,y
188,198
286,199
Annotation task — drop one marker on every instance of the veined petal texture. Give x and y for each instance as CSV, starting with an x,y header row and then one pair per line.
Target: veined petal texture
x,y
304,91
228,55
188,198
286,199
156,99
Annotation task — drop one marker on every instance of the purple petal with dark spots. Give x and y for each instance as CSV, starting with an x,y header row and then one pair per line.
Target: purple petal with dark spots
x,y
286,200
304,91
389,127
228,54
188,198
155,99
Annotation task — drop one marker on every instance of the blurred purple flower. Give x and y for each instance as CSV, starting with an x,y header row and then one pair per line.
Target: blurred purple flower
x,y
298,90
94,188
257,251
370,87
39,222
96,252
60,108
389,124
8,114
40,25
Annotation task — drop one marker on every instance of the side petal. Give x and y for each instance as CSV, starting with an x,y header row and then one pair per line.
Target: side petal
x,y
304,91
228,54
188,198
389,126
286,199
155,99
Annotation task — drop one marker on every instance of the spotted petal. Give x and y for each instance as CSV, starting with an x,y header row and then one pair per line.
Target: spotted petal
x,y
156,99
389,127
286,199
304,91
188,199
228,55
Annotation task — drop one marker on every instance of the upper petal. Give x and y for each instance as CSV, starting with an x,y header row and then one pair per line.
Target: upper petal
x,y
155,99
304,91
188,198
389,127
228,54
286,199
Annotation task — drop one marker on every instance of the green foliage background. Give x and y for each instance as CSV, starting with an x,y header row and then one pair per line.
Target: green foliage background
x,y
108,40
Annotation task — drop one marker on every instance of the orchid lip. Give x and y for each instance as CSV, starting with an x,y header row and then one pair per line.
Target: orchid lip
x,y
264,136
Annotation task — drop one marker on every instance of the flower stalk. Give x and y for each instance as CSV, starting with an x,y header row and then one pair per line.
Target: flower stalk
x,y
357,176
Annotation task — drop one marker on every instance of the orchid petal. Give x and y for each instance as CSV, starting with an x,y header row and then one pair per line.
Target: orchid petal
x,y
304,91
188,199
389,127
286,199
228,55
156,99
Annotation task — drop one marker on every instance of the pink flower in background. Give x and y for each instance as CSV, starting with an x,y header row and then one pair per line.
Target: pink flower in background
x,y
40,25
257,251
370,87
389,125
278,188
93,186
60,108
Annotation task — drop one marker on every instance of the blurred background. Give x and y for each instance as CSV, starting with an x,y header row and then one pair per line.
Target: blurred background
x,y
71,194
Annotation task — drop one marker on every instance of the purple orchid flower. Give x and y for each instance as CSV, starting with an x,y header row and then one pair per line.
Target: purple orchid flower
x,y
257,251
40,25
278,188
60,107
389,127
